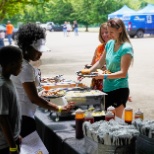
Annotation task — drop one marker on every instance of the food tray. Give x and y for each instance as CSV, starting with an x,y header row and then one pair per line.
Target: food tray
x,y
66,85
52,93
84,93
95,98
55,79
92,74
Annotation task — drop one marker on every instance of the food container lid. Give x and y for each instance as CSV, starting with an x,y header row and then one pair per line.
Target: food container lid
x,y
138,112
109,113
128,108
79,111
88,114
79,114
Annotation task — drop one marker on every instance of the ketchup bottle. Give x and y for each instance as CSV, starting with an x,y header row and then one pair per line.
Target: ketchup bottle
x,y
109,115
79,119
89,117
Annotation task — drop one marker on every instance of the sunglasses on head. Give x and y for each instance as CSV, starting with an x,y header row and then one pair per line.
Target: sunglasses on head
x,y
113,24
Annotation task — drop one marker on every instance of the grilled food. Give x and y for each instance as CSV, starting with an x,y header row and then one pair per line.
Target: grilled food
x,y
85,71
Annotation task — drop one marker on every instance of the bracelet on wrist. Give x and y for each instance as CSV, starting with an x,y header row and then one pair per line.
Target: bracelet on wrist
x,y
105,76
59,109
13,149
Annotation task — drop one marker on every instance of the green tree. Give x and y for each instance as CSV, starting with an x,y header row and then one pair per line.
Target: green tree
x,y
59,11
10,8
94,11
86,12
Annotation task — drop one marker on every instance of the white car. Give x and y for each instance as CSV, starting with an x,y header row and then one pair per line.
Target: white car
x,y
47,26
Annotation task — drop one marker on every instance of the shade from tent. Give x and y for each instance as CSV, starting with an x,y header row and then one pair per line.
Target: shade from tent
x,y
123,11
149,9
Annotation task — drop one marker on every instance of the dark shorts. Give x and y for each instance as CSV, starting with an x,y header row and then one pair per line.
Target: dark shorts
x,y
116,97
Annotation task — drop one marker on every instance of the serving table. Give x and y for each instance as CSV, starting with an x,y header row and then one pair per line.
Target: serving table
x,y
58,137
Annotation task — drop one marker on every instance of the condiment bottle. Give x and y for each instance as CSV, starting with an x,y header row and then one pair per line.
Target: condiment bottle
x,y
89,117
79,119
139,114
112,109
109,115
128,115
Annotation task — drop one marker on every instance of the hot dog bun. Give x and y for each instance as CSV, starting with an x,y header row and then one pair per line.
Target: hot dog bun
x,y
85,71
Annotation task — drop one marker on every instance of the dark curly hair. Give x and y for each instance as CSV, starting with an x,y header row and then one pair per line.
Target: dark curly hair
x,y
29,33
9,54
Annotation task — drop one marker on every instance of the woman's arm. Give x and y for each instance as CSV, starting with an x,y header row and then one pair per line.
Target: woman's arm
x,y
125,64
32,94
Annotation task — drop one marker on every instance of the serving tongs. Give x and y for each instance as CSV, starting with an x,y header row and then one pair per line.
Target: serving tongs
x,y
57,78
77,83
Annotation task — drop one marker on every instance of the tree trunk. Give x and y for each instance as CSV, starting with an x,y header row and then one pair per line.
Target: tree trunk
x,y
86,28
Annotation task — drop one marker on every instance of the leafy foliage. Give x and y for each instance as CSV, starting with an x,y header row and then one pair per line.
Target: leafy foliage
x,y
87,12
10,8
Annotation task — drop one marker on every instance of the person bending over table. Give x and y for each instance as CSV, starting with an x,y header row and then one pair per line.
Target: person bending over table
x,y
31,40
117,56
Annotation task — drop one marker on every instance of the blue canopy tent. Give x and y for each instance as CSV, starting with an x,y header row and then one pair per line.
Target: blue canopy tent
x,y
149,9
123,11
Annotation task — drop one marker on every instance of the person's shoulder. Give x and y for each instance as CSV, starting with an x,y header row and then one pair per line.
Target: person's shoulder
x,y
110,42
3,83
100,45
27,71
98,49
127,46
26,65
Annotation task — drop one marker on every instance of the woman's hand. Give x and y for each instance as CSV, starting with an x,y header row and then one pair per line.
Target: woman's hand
x,y
80,78
68,107
99,76
130,99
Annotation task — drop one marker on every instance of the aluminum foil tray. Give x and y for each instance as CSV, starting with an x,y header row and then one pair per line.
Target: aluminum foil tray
x,y
85,97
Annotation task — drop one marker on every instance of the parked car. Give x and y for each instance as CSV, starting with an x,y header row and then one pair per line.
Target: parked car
x,y
14,33
50,26
2,28
47,26
57,27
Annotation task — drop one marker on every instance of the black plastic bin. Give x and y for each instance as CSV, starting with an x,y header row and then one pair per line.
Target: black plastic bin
x,y
144,145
